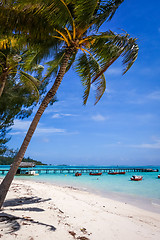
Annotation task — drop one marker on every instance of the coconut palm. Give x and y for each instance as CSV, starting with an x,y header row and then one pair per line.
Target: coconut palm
x,y
12,62
73,26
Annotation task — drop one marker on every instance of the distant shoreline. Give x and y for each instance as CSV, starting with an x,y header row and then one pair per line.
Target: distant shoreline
x,y
65,165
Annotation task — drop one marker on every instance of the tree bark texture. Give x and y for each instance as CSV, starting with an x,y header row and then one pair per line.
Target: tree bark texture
x,y
3,79
4,187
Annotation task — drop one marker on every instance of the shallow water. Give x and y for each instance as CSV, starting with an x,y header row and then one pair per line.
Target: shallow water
x,y
145,193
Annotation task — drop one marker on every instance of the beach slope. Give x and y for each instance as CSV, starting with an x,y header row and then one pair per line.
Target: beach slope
x,y
42,211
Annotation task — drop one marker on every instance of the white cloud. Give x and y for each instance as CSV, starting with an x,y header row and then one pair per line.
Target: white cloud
x,y
40,130
139,98
114,71
68,115
17,133
60,115
99,117
57,115
21,125
153,145
154,95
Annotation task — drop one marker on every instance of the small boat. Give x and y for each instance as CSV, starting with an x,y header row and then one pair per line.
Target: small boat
x,y
78,174
121,172
32,173
95,174
136,178
112,173
159,176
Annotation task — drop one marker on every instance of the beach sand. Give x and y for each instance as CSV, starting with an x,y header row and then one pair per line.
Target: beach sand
x,y
43,211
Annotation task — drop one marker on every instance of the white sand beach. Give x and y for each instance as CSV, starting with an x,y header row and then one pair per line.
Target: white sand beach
x,y
42,211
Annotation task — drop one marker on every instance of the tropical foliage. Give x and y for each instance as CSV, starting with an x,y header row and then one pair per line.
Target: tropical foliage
x,y
67,30
12,63
74,25
18,90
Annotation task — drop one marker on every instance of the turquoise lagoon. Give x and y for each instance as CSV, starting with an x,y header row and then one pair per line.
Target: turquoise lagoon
x,y
145,193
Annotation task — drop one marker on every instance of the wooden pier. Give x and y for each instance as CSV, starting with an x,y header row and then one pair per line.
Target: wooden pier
x,y
84,170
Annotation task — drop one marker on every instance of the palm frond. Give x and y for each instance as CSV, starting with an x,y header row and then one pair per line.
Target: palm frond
x,y
105,11
55,11
83,12
100,82
32,17
53,65
59,9
30,81
87,68
38,53
30,60
2,55
68,24
100,87
110,46
84,71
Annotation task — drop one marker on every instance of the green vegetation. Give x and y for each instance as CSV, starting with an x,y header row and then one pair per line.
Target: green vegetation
x,y
19,91
67,31
9,160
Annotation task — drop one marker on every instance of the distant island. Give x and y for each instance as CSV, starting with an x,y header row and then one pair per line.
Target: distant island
x,y
9,161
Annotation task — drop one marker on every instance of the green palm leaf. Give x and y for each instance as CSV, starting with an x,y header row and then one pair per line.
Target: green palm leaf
x,y
105,11
30,78
30,81
100,87
87,68
110,46
30,60
82,9
84,71
55,11
105,47
100,82
53,65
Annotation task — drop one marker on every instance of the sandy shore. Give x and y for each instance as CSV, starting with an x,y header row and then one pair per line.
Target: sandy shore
x,y
44,212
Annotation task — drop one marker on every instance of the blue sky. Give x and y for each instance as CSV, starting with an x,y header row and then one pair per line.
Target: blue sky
x,y
124,127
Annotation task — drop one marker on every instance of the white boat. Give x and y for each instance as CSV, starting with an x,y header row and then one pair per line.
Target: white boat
x,y
33,173
136,178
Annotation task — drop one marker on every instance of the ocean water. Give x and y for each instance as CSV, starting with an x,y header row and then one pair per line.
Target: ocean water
x,y
145,193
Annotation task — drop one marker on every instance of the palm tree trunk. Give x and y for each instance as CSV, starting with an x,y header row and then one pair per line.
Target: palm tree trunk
x,y
4,187
3,82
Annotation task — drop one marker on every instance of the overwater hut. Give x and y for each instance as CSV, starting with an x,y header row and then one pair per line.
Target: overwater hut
x,y
24,168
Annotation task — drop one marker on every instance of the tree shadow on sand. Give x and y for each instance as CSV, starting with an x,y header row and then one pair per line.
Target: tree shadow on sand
x,y
30,209
10,223
23,201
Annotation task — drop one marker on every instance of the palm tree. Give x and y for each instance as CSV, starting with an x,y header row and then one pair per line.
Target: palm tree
x,y
12,62
74,26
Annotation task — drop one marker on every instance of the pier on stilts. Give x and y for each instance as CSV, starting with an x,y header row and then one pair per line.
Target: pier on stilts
x,y
48,170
